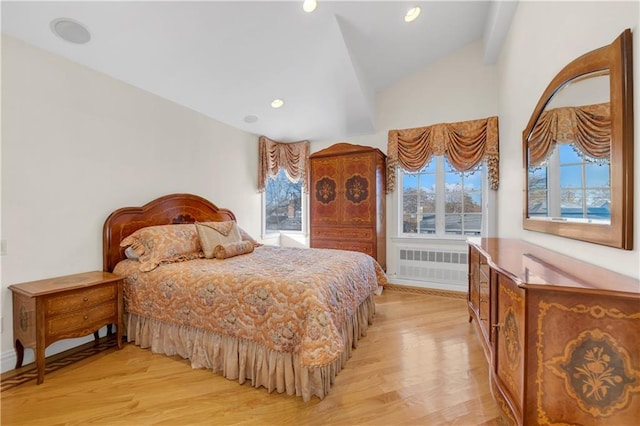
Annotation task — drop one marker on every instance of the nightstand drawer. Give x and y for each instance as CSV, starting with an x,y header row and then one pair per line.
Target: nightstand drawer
x,y
82,322
75,300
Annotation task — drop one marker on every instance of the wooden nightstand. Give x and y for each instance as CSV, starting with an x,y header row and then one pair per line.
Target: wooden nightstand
x,y
49,310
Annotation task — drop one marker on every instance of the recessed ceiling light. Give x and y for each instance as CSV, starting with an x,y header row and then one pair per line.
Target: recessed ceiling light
x,y
277,103
251,118
309,5
70,30
412,14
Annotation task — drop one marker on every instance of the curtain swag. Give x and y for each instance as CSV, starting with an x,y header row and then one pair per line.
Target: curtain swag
x,y
588,127
292,157
465,144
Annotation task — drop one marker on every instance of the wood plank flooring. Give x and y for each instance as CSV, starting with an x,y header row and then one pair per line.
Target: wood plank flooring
x,y
420,364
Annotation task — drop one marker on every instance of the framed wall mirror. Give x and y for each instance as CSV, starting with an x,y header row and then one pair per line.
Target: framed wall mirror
x,y
578,150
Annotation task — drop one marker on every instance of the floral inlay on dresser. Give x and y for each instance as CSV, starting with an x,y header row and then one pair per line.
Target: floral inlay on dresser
x,y
512,342
594,371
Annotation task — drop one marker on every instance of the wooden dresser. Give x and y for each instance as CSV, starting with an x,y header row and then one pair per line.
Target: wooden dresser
x,y
49,310
562,336
347,202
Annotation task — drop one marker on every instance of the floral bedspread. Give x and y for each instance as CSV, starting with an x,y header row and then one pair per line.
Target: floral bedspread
x,y
287,299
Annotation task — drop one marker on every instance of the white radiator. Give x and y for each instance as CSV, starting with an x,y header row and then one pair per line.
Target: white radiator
x,y
433,265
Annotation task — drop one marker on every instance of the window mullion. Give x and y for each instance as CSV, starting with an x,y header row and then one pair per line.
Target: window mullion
x,y
553,184
440,196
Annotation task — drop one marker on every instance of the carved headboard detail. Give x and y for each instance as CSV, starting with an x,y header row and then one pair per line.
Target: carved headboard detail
x,y
170,209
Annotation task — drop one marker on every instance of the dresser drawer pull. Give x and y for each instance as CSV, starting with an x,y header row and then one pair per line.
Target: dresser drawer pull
x,y
86,317
84,299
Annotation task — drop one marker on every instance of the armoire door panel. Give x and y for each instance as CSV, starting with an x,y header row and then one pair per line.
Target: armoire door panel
x,y
359,191
325,189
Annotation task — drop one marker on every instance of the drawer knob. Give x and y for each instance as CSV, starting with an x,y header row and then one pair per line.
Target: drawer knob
x,y
86,317
84,299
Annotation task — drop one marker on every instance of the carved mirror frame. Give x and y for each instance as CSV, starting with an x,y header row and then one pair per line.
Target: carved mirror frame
x,y
617,59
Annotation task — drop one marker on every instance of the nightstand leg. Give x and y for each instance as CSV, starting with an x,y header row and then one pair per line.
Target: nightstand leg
x,y
19,354
40,363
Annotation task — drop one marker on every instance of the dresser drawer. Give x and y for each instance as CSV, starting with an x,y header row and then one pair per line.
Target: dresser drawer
x,y
80,299
82,322
360,246
336,233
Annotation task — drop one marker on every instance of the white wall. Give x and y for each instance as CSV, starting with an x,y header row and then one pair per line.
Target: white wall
x,y
459,87
543,38
77,145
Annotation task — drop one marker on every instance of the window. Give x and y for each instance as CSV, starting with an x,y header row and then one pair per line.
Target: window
x,y
439,200
283,204
583,186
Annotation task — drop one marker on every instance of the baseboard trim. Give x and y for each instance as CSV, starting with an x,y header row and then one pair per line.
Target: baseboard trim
x,y
8,358
26,373
427,291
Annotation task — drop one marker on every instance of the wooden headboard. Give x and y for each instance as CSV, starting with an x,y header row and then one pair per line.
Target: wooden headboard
x,y
170,209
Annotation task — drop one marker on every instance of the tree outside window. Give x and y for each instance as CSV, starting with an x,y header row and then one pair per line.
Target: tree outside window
x,y
439,200
283,204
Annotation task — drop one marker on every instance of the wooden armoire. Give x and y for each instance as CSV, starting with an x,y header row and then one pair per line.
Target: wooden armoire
x,y
347,200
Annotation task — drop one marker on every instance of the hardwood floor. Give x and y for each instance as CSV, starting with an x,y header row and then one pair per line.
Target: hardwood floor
x,y
420,364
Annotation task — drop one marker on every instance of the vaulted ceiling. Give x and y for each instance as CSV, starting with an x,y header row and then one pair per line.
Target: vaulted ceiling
x,y
229,59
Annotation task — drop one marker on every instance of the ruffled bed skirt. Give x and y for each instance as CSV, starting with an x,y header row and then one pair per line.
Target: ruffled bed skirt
x,y
242,359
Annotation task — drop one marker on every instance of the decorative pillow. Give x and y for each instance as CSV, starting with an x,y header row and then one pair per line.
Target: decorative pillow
x,y
246,237
224,251
163,244
213,234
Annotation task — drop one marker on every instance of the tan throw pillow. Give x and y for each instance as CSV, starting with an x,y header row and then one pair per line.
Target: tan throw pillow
x,y
163,244
224,251
213,234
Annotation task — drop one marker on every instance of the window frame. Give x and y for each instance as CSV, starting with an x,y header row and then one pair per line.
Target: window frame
x,y
487,205
304,203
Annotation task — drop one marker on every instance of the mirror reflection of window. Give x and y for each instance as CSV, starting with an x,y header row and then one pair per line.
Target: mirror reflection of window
x,y
568,184
538,192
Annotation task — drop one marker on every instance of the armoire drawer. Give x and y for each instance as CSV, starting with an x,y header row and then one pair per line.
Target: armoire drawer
x,y
346,233
362,247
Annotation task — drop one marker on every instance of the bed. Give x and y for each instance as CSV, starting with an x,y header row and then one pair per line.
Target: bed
x,y
281,318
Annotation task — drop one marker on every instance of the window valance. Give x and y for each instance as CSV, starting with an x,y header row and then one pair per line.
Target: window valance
x,y
465,144
588,127
292,157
